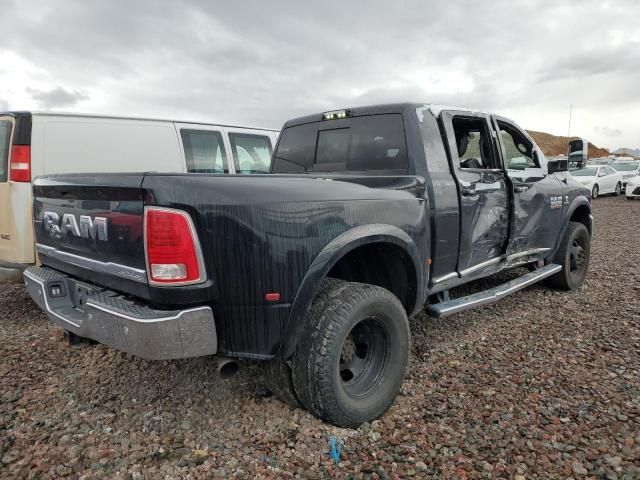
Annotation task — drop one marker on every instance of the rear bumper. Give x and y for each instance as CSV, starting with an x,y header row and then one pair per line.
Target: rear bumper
x,y
15,266
10,275
119,321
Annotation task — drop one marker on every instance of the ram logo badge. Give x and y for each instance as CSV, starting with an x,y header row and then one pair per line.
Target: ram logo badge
x,y
87,227
555,202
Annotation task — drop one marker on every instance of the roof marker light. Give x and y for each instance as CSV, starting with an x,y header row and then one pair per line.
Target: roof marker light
x,y
335,115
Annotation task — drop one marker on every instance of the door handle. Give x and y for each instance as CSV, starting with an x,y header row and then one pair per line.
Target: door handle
x,y
467,191
521,188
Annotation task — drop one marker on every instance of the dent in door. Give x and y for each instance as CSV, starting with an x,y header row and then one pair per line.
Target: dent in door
x,y
486,214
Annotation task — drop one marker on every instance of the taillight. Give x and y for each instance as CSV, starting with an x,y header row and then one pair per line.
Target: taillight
x,y
20,165
173,252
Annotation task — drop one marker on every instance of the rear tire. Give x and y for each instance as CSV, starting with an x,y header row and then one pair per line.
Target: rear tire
x,y
353,354
277,379
618,189
277,373
574,254
595,191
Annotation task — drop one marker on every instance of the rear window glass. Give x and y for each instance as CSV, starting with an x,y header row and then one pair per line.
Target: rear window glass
x,y
5,136
204,151
251,153
359,144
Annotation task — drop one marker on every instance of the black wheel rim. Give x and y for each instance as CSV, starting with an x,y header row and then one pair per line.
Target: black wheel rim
x,y
578,258
364,357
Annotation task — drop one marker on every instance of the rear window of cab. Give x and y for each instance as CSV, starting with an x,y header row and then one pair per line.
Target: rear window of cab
x,y
366,144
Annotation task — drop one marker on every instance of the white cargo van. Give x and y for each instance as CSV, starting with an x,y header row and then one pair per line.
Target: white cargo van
x,y
33,144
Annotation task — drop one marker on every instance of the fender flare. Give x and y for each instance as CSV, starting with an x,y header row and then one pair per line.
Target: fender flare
x,y
577,202
328,257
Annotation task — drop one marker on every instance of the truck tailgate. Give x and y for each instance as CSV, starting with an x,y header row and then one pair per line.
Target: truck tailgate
x,y
92,227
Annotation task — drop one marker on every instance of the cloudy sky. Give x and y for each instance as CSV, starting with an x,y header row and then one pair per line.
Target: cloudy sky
x,y
259,63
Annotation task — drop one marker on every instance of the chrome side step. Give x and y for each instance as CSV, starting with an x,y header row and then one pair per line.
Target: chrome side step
x,y
449,307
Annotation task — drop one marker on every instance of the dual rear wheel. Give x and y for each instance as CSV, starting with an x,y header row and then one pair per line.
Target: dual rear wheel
x,y
351,360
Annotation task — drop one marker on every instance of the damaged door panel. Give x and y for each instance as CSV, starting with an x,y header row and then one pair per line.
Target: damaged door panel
x,y
538,198
482,187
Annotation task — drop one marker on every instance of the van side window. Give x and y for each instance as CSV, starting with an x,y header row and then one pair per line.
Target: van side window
x,y
5,133
251,153
204,151
518,150
473,141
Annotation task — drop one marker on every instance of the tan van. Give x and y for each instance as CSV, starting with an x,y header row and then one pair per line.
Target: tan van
x,y
33,144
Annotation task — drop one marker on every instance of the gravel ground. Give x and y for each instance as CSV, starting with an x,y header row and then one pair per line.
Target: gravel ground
x,y
545,384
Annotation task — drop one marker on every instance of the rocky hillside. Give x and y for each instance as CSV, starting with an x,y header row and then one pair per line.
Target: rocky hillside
x,y
633,152
554,145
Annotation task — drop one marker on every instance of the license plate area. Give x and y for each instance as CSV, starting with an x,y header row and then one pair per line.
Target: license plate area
x,y
81,293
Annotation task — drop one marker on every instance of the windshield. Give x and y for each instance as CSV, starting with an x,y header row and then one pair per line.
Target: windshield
x,y
625,167
585,172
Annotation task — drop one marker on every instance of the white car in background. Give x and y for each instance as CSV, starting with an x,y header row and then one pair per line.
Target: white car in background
x,y
628,170
600,179
633,188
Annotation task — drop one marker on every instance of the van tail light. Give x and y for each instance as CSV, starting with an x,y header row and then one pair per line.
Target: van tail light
x,y
174,256
20,165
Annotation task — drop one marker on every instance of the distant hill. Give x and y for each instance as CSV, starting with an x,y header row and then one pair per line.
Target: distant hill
x,y
631,152
553,145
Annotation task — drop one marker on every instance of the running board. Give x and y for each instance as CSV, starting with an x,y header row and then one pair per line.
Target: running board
x,y
449,307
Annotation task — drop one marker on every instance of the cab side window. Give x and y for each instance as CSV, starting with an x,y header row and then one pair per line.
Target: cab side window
x,y
204,151
473,142
518,150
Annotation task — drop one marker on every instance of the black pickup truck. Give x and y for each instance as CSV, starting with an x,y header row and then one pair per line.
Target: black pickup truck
x,y
369,215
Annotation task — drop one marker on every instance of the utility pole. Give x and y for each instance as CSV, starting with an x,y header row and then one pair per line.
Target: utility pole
x,y
569,129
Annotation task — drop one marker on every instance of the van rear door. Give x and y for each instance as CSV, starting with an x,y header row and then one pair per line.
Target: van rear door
x,y
16,237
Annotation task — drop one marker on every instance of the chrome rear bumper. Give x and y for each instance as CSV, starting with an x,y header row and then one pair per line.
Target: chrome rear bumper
x,y
119,321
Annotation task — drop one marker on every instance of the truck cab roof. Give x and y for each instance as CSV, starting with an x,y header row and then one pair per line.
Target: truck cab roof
x,y
378,109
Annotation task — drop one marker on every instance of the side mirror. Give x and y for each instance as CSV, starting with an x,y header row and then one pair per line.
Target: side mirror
x,y
554,166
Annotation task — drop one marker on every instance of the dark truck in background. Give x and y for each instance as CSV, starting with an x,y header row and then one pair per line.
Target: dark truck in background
x,y
368,215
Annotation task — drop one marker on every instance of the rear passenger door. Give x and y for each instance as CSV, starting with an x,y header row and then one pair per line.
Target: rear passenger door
x,y
250,150
482,190
204,149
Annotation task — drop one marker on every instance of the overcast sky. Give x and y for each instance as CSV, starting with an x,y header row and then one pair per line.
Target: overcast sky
x,y
259,62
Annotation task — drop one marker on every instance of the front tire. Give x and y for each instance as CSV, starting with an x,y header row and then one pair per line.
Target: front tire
x,y
595,191
353,355
618,189
574,255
